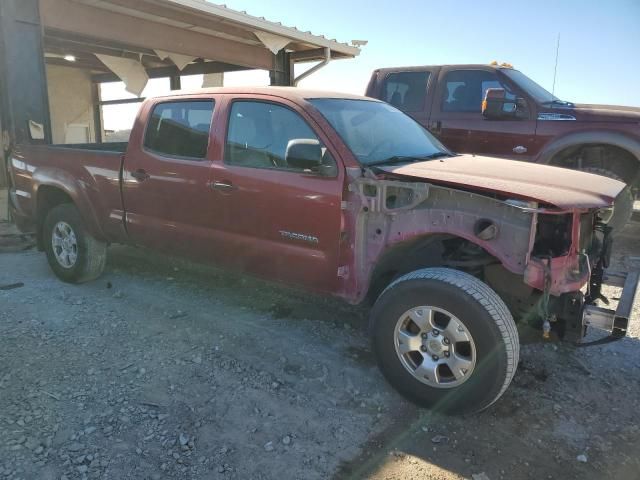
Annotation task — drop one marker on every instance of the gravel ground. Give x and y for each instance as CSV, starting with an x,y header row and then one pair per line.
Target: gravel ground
x,y
164,369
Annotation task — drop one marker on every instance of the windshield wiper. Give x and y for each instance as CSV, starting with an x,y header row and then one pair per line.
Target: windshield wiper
x,y
407,159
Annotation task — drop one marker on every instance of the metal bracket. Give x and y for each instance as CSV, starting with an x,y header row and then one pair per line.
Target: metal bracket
x,y
614,322
315,68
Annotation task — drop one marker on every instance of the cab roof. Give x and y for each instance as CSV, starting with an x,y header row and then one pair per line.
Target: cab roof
x,y
495,66
291,93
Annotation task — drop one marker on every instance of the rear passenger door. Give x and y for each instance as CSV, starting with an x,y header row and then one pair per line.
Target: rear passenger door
x,y
409,91
458,122
166,170
278,221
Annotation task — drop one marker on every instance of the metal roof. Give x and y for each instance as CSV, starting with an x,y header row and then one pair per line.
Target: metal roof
x,y
219,21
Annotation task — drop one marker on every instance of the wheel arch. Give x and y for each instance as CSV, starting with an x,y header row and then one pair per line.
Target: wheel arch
x,y
51,190
563,147
424,251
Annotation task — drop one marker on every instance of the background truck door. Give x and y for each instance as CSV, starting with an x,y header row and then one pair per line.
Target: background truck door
x,y
458,122
165,178
409,91
278,221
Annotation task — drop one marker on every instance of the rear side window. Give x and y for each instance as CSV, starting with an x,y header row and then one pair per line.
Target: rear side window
x,y
180,129
406,90
465,89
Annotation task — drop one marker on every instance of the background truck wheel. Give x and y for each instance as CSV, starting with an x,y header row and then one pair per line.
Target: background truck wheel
x,y
445,340
73,254
623,208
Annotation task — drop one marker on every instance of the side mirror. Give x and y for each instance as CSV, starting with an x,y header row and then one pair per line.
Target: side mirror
x,y
496,106
304,154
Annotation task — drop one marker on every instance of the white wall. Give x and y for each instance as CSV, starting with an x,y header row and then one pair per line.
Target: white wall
x,y
70,101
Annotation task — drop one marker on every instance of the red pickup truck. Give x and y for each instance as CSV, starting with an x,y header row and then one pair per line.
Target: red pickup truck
x,y
497,110
345,196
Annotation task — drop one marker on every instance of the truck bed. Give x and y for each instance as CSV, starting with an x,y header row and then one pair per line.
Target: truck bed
x,y
89,175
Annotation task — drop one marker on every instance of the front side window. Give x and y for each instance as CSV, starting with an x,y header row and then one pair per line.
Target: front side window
x,y
406,90
260,133
465,90
375,131
180,129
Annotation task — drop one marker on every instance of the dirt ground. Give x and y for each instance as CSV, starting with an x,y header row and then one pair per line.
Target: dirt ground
x,y
164,370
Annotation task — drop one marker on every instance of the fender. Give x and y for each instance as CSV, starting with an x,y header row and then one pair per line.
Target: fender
x,y
81,193
616,139
389,216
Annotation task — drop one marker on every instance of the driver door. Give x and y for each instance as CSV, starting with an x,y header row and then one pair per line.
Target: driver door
x,y
279,222
463,128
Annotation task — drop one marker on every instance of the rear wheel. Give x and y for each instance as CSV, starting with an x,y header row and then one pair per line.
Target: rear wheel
x,y
73,254
445,340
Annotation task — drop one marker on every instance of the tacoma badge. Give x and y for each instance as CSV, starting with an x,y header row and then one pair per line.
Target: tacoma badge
x,y
299,236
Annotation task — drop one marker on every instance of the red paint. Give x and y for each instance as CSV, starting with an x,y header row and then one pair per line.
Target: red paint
x,y
470,132
560,187
175,210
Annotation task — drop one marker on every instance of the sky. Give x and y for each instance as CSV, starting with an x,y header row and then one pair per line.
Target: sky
x,y
598,62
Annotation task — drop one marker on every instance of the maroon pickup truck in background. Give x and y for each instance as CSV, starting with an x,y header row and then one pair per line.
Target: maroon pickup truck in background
x,y
346,196
533,126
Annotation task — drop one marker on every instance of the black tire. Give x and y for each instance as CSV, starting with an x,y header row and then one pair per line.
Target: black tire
x,y
484,315
623,207
91,253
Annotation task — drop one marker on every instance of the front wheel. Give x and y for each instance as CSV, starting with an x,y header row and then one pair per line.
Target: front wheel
x,y
445,340
73,254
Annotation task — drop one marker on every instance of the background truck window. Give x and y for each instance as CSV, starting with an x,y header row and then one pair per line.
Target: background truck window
x,y
465,89
406,90
259,133
180,129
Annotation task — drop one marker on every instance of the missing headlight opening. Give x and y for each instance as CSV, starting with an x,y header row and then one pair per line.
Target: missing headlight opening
x,y
553,235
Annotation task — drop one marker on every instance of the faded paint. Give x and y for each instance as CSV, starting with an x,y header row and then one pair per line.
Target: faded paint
x,y
421,209
556,186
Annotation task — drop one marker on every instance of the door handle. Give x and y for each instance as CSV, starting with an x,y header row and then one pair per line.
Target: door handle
x,y
520,149
140,175
223,186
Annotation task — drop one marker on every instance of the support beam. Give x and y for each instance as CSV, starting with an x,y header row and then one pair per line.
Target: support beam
x,y
175,83
282,72
103,24
97,112
193,69
22,69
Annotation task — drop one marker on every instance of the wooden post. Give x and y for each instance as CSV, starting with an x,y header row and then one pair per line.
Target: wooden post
x,y
282,72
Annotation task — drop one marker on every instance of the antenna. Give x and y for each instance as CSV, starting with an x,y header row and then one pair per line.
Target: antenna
x,y
555,70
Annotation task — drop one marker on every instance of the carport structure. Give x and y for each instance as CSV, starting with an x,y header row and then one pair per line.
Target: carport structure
x,y
54,53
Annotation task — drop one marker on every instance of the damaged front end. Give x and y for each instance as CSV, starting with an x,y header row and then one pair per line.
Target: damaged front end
x,y
576,278
548,264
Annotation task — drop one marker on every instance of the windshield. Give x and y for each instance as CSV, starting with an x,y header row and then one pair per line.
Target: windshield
x,y
532,88
376,132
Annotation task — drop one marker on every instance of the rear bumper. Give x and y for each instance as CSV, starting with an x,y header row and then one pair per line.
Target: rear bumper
x,y
615,322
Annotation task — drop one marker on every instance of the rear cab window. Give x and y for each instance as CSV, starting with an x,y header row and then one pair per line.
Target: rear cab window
x,y
407,91
180,129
